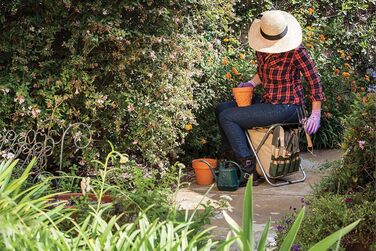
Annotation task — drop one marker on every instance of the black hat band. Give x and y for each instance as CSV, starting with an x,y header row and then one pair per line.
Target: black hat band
x,y
274,37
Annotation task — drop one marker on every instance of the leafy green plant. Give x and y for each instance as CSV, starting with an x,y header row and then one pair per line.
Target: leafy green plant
x,y
347,193
330,212
29,217
244,235
33,221
356,172
139,235
69,181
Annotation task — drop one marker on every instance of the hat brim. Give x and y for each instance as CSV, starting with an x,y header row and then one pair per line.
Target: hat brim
x,y
290,41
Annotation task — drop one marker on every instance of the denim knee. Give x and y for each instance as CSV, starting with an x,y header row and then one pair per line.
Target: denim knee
x,y
222,107
219,108
225,116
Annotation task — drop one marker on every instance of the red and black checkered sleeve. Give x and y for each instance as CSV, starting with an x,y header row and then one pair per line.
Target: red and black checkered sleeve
x,y
304,63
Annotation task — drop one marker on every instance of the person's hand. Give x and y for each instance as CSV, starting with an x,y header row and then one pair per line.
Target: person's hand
x,y
247,84
313,122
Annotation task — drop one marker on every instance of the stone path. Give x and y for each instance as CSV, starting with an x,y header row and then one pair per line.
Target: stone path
x,y
269,202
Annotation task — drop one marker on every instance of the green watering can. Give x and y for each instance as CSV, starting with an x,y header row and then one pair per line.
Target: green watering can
x,y
227,176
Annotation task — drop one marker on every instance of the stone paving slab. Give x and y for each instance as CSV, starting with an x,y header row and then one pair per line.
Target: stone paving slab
x,y
269,202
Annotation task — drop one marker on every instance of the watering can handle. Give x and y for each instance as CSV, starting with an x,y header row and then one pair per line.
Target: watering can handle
x,y
237,165
210,167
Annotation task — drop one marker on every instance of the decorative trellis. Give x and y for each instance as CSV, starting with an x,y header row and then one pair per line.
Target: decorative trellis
x,y
41,143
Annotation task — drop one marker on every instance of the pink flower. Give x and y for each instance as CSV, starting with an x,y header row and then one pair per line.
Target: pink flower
x,y
77,136
35,112
348,200
152,55
102,99
173,56
20,99
361,144
130,108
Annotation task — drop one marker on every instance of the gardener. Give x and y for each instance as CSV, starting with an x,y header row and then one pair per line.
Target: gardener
x,y
276,37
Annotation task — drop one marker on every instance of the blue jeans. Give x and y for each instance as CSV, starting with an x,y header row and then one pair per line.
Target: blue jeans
x,y
234,120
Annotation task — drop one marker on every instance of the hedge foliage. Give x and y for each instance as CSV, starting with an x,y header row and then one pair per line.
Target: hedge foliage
x,y
127,68
144,74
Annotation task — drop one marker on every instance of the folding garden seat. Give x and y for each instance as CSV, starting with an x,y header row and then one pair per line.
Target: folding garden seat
x,y
277,152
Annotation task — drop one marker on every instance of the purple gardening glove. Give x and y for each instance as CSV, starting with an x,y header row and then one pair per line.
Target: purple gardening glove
x,y
313,122
247,84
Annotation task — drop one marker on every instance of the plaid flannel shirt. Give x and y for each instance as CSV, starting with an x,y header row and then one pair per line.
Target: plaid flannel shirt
x,y
280,74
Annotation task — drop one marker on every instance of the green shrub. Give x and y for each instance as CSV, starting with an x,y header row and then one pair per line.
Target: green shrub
x,y
357,170
141,187
348,192
126,69
330,212
134,188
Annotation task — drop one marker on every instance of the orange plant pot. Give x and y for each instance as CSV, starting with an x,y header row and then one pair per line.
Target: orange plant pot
x,y
202,171
243,95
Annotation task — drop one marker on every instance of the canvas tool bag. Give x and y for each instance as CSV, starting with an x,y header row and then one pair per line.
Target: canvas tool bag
x,y
277,151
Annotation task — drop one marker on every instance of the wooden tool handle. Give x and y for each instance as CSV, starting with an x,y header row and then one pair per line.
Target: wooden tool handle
x,y
309,143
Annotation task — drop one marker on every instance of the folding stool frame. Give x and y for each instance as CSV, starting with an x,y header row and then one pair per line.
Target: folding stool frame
x,y
280,181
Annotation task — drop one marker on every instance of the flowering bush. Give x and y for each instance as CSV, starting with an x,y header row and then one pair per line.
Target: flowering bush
x,y
330,212
348,193
130,70
226,65
357,171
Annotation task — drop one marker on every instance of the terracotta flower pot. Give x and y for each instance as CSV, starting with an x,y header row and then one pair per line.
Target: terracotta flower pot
x,y
202,171
243,95
69,197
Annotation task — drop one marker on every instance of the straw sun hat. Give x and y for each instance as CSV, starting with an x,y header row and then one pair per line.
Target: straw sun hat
x,y
275,31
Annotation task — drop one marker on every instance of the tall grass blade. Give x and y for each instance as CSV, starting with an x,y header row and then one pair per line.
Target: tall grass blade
x,y
333,238
247,237
264,236
226,245
107,232
291,235
233,225
15,185
6,169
